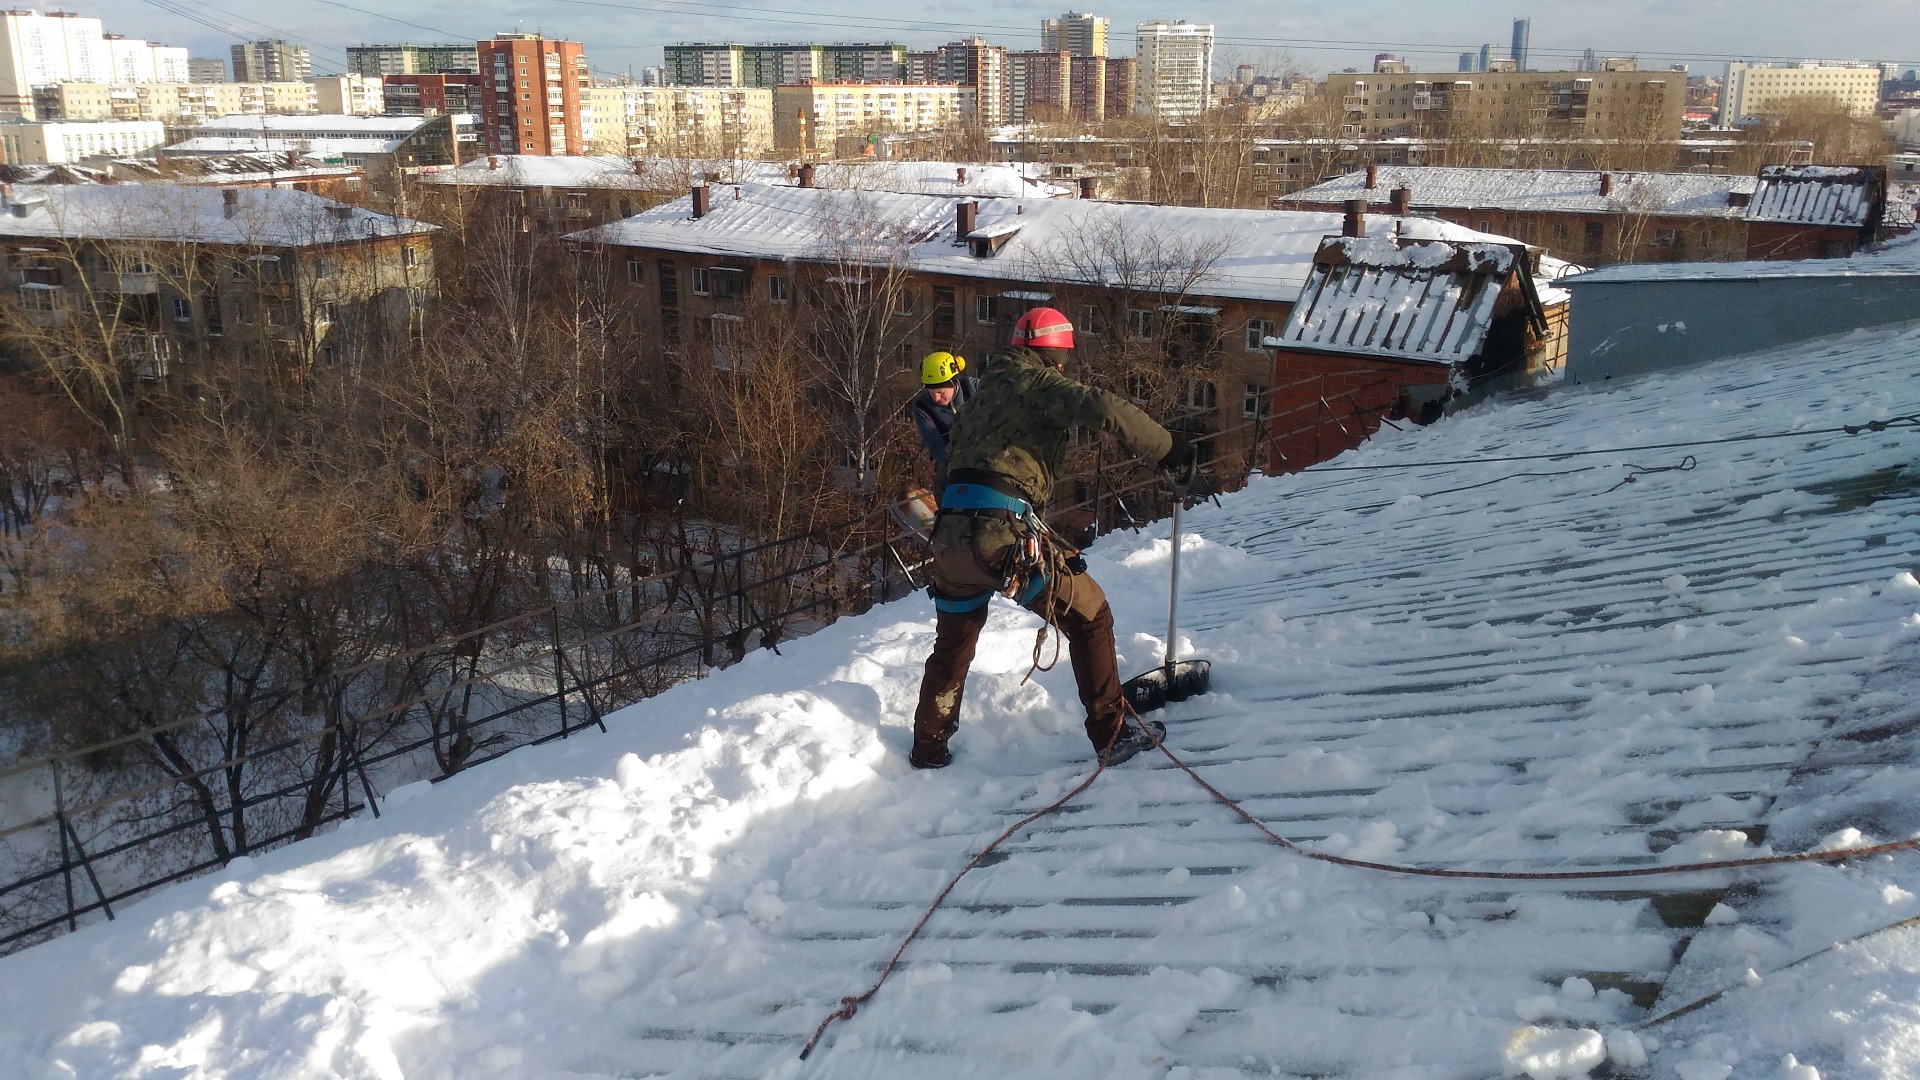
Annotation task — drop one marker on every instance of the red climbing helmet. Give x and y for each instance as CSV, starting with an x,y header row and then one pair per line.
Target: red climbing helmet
x,y
1043,328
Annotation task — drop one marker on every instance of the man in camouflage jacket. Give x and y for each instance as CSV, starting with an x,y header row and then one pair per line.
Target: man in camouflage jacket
x,y
1002,458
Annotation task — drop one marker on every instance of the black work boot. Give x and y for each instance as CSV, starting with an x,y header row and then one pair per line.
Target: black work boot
x,y
930,751
1133,740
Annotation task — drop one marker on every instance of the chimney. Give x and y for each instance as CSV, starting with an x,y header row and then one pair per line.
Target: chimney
x,y
960,175
1606,184
639,167
806,174
1373,177
1089,187
493,163
700,201
965,216
793,172
1401,199
230,200
1356,221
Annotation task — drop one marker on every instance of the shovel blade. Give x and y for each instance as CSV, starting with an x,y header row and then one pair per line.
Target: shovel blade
x,y
1176,682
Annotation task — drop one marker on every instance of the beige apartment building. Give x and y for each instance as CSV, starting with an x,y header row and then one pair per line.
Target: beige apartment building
x,y
833,119
1752,90
678,121
350,95
58,142
169,103
1511,104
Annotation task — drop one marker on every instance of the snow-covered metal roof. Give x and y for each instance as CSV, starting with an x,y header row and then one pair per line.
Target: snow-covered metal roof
x,y
539,170
335,126
1560,190
175,213
1245,254
1426,301
278,144
1843,196
1900,257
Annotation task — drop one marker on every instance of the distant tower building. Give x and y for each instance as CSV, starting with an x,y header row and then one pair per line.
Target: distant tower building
x,y
209,70
272,60
1077,33
975,63
1175,69
1466,61
1589,61
1522,30
1486,56
545,119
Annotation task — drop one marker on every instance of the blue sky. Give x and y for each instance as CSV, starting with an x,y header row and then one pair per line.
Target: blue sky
x,y
1317,38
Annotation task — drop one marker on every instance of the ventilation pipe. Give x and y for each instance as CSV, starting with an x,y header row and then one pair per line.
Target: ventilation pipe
x,y
960,175
1606,184
806,174
493,163
1089,187
1373,177
639,167
1401,199
701,204
1356,220
230,201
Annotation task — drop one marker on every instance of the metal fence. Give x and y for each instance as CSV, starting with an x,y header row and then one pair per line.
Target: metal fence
x,y
114,820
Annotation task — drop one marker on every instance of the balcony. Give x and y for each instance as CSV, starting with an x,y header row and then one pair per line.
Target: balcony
x,y
132,283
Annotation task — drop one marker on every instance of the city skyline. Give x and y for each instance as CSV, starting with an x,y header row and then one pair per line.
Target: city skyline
x,y
623,34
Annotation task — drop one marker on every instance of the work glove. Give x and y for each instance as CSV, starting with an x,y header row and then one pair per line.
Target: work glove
x,y
1181,457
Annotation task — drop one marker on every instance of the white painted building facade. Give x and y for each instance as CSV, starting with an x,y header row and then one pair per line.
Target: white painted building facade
x,y
1175,69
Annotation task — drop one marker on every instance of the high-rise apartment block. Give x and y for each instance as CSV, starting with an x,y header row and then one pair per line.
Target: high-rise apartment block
x,y
40,50
1522,33
680,121
206,70
1077,33
1123,80
530,93
271,60
1512,104
1175,68
1087,89
768,66
1753,90
1040,85
349,95
376,60
983,67
436,94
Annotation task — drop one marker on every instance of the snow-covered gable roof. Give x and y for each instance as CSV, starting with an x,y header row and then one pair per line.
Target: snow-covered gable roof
x,y
1560,190
278,144
318,126
1844,196
1411,300
544,171
176,213
1246,254
675,174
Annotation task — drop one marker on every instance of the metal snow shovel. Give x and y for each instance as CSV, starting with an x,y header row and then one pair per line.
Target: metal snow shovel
x,y
1174,680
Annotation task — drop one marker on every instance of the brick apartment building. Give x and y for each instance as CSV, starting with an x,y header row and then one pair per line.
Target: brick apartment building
x,y
433,94
1173,305
530,94
197,274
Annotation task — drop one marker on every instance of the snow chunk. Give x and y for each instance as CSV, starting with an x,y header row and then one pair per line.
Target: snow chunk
x,y
1722,915
1554,1053
1373,842
1626,1050
1703,1070
1791,1069
1576,989
1713,845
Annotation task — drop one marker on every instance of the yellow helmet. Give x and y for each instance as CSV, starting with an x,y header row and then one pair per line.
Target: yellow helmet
x,y
941,368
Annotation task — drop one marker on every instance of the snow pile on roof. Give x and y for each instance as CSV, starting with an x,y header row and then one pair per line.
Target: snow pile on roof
x,y
1900,257
548,171
1503,664
1815,195
675,174
1562,190
178,213
1248,254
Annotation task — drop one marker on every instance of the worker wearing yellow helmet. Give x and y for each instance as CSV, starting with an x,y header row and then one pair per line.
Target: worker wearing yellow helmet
x,y
943,391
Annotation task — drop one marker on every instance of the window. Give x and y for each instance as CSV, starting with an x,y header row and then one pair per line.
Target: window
x,y
726,284
1143,325
1666,238
697,280
37,298
986,310
1258,331
1199,395
777,289
182,309
1561,232
636,271
409,256
1486,225
724,331
322,268
1255,404
1596,236
1137,387
330,355
330,312
903,302
669,283
946,313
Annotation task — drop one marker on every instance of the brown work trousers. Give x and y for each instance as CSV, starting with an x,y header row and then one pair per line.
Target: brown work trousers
x,y
971,554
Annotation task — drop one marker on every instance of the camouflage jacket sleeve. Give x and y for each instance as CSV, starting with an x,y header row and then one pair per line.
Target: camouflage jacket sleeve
x,y
1104,411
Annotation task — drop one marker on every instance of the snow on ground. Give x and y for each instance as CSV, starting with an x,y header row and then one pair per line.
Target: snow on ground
x,y
1500,664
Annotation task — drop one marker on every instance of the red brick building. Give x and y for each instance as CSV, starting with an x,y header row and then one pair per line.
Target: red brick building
x,y
530,95
1816,211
